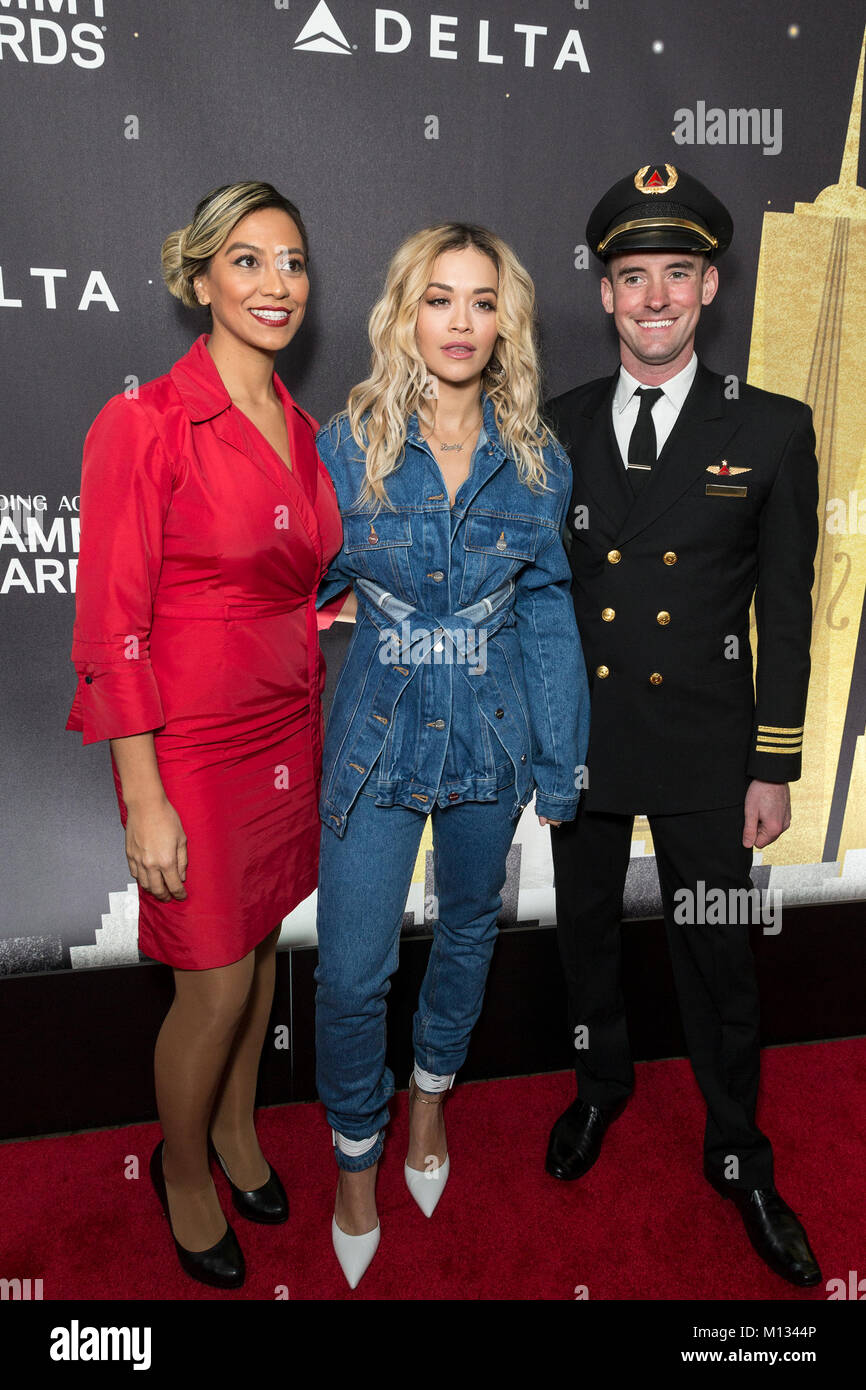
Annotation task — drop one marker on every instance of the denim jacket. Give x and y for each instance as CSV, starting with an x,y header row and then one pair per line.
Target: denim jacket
x,y
465,673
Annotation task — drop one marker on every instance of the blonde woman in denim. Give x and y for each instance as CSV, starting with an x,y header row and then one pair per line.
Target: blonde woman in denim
x,y
463,690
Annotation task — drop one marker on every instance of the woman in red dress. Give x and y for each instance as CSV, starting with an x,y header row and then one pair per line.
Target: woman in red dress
x,y
207,522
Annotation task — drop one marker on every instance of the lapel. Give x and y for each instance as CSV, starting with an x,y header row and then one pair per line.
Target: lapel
x,y
701,433
600,471
485,461
206,400
302,430
303,481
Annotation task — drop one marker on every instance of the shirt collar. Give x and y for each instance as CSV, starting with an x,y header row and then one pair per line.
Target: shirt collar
x,y
675,390
199,384
201,387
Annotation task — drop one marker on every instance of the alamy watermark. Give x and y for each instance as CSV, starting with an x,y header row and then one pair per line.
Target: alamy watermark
x,y
85,1343
729,907
846,516
737,126
417,645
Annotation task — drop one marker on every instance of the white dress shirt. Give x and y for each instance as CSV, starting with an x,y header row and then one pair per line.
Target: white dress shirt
x,y
665,411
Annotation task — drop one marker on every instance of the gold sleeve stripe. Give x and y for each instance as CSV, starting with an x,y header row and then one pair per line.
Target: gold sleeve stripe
x,y
777,729
780,738
769,748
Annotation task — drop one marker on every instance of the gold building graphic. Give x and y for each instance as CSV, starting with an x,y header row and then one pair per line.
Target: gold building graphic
x,y
809,341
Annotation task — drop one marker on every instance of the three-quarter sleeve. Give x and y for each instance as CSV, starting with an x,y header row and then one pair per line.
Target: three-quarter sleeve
x,y
126,485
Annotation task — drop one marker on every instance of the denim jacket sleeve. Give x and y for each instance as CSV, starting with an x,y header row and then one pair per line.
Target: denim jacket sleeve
x,y
555,673
338,577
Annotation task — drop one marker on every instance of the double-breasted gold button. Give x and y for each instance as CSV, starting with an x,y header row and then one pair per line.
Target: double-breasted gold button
x,y
670,557
655,678
663,618
608,614
602,672
614,556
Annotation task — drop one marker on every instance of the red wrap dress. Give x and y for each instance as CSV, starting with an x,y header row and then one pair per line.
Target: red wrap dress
x,y
201,554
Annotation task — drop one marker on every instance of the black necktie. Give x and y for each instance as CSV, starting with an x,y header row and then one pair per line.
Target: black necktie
x,y
642,446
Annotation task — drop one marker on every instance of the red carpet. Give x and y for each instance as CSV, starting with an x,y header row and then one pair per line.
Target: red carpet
x,y
643,1224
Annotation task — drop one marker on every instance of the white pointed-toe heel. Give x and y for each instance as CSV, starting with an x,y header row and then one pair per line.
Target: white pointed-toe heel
x,y
354,1252
426,1187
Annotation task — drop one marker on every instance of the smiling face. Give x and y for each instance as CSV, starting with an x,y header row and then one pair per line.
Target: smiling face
x,y
456,328
257,284
656,299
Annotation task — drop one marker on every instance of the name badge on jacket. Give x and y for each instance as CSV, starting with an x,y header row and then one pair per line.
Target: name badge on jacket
x,y
725,470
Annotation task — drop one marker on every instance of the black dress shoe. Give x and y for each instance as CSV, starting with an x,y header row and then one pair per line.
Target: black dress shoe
x,y
267,1204
575,1140
222,1265
774,1230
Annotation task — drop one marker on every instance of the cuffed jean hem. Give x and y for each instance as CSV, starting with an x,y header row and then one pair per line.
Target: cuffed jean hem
x,y
431,1082
361,1161
436,1062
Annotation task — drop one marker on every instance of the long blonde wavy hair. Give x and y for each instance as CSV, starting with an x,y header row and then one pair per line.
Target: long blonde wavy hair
x,y
379,408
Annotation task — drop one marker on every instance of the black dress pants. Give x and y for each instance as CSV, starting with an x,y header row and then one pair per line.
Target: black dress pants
x,y
712,964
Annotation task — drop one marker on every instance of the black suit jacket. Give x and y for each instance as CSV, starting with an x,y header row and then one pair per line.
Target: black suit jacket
x,y
663,584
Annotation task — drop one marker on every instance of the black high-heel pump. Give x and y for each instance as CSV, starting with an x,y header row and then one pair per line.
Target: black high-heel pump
x,y
267,1204
222,1265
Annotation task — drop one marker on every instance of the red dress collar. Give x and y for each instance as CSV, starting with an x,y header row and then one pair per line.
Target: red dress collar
x,y
201,388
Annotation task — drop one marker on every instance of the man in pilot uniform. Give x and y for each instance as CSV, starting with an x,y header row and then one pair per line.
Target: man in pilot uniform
x,y
688,498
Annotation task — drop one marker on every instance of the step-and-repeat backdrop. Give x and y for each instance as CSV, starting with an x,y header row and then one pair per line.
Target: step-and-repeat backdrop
x,y
118,115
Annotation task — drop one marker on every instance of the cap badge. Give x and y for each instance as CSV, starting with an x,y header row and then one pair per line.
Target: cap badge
x,y
655,178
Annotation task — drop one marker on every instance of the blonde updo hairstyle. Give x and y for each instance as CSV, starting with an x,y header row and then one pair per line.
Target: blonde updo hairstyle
x,y
379,408
187,253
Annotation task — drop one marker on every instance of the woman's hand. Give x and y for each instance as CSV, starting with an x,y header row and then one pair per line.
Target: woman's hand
x,y
542,820
155,842
156,849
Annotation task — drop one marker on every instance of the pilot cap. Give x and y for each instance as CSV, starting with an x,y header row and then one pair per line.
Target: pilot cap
x,y
659,208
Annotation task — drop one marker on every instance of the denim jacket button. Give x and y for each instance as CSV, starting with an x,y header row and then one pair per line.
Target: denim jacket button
x,y
500,713
437,575
523,757
453,796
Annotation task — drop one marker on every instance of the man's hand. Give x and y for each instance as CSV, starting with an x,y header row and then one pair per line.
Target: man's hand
x,y
767,813
542,820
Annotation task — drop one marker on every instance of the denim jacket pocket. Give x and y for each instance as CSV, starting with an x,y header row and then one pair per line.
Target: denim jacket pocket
x,y
380,549
496,547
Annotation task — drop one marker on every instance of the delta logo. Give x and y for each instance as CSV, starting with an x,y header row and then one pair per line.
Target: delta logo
x,y
393,33
322,33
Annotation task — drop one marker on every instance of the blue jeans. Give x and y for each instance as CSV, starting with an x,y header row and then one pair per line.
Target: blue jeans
x,y
364,880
